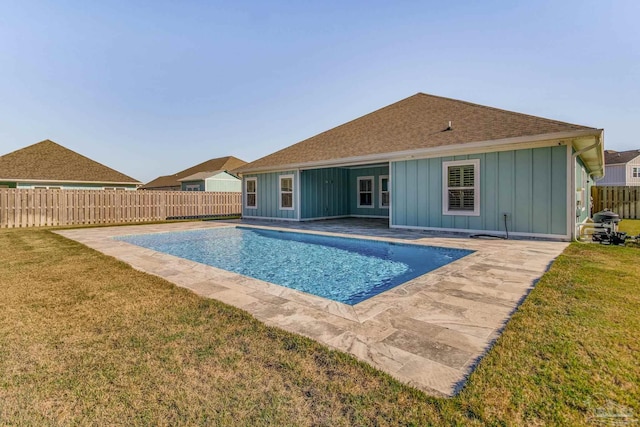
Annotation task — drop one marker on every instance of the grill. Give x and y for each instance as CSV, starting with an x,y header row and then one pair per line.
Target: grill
x,y
606,217
607,233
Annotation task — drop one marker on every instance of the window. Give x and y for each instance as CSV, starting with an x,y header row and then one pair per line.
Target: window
x,y
636,172
461,187
286,192
365,192
251,193
192,187
384,191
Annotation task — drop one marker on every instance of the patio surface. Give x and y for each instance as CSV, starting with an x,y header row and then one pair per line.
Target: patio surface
x,y
429,332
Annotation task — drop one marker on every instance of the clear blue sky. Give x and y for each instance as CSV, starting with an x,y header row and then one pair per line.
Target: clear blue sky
x,y
152,87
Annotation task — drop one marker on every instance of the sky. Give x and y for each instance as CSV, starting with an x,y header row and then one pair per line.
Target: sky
x,y
150,88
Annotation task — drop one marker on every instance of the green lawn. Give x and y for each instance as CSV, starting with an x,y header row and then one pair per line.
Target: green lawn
x,y
85,339
631,226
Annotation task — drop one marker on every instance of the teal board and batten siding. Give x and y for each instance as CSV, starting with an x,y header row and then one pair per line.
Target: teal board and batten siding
x,y
324,193
375,172
268,196
529,185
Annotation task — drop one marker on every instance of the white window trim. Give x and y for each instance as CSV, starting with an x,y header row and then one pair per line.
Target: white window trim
x,y
635,172
280,192
192,187
476,187
380,191
246,199
45,187
373,203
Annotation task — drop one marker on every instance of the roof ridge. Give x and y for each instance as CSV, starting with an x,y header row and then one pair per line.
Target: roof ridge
x,y
33,149
487,107
418,95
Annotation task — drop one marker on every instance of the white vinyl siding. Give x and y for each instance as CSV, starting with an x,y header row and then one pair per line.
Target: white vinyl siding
x,y
286,192
365,192
461,187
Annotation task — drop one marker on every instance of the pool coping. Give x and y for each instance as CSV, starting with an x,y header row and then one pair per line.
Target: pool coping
x,y
309,297
429,332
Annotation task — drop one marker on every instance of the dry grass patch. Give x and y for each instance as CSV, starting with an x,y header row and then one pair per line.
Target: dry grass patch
x,y
85,339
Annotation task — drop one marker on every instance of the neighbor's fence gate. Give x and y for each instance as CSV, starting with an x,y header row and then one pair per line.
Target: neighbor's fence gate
x,y
34,208
625,201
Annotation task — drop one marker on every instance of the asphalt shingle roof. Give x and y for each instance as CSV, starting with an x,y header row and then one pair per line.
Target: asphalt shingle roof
x,y
417,122
616,157
47,160
218,164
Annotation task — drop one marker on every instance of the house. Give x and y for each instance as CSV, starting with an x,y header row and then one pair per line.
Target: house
x,y
434,163
173,183
221,181
621,168
47,164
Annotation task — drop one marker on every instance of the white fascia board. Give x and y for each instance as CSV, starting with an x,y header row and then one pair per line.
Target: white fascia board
x,y
441,151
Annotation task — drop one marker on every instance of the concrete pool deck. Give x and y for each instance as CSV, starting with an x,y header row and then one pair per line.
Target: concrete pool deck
x,y
429,332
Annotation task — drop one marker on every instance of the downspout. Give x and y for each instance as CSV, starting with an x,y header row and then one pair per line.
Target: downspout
x,y
573,183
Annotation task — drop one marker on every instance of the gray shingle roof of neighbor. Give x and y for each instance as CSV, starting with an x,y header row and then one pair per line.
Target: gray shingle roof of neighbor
x,y
218,164
612,157
49,161
417,122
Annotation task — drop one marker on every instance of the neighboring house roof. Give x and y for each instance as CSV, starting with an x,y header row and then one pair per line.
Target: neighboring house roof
x,y
419,122
218,164
48,161
612,157
162,181
201,176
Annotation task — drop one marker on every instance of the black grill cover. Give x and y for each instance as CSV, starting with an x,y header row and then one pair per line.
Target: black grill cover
x,y
606,216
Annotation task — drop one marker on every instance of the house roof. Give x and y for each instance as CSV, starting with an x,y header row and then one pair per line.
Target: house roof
x,y
218,164
49,161
419,122
612,157
201,176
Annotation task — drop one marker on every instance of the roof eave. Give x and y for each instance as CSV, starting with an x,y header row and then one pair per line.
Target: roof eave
x,y
591,148
477,146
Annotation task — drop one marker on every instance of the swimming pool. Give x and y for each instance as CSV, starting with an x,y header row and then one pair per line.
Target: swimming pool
x,y
346,270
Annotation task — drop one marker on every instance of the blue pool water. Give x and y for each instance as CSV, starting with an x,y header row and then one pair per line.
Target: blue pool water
x,y
342,269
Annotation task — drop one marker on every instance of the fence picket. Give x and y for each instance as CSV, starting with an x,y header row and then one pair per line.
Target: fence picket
x,y
625,201
49,207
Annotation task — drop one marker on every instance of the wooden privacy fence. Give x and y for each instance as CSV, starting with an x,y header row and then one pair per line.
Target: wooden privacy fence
x,y
34,208
625,201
